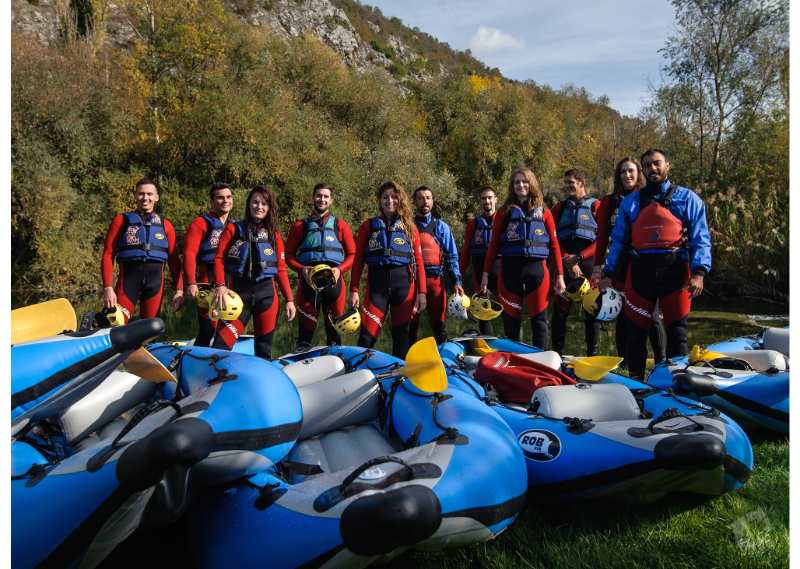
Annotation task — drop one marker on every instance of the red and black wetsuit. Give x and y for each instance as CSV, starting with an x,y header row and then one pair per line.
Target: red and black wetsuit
x,y
477,237
253,284
525,241
606,217
332,300
396,275
576,236
141,261
199,249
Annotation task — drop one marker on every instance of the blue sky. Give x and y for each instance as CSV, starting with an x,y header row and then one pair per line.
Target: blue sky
x,y
610,47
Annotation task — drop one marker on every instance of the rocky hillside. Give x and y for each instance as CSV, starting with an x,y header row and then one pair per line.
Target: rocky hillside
x,y
360,34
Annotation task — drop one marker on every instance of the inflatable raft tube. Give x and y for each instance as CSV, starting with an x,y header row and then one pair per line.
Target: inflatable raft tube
x,y
380,467
770,339
617,438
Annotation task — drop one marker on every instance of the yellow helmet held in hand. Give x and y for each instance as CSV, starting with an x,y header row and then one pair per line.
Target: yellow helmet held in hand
x,y
115,315
347,323
577,289
484,308
205,296
233,307
321,277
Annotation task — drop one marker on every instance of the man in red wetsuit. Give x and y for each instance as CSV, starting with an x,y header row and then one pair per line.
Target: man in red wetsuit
x,y
318,239
142,242
477,237
199,250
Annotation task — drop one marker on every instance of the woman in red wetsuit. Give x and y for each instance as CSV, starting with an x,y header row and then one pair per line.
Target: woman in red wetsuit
x,y
524,235
628,177
389,244
251,257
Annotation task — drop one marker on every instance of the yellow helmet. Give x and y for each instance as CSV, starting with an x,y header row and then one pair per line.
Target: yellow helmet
x,y
699,354
115,315
347,323
233,307
321,277
205,296
577,289
484,308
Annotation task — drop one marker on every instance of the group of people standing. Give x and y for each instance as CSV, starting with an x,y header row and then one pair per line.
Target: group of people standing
x,y
523,255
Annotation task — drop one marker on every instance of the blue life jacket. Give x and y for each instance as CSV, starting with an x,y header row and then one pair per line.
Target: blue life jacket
x,y
320,243
142,239
208,247
481,237
388,245
238,261
577,220
524,236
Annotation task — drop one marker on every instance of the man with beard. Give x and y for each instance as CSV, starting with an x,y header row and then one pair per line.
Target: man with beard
x,y
664,228
438,248
200,248
476,240
318,239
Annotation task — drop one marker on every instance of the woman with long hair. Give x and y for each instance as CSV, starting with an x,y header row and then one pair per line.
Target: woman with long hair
x,y
524,236
628,177
251,257
389,245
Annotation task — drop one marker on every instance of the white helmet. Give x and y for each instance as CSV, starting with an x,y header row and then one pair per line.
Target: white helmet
x,y
603,305
457,306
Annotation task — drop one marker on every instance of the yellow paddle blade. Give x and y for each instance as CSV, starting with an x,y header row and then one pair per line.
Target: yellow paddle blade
x,y
424,367
698,354
592,368
145,365
480,347
42,320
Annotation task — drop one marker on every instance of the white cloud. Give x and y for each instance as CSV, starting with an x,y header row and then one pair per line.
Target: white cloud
x,y
488,40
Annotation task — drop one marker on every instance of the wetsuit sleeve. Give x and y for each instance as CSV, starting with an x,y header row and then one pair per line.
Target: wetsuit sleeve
x,y
555,248
283,275
451,250
591,249
194,236
422,283
603,220
348,244
556,214
358,261
698,235
174,259
107,260
292,243
619,237
463,260
494,244
219,260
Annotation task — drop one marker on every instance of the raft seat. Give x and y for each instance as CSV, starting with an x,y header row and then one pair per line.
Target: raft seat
x,y
777,339
598,402
313,370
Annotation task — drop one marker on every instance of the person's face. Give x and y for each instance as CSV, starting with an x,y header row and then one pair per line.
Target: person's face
x,y
655,167
522,188
322,200
389,202
259,208
489,202
628,175
146,197
222,202
423,200
574,188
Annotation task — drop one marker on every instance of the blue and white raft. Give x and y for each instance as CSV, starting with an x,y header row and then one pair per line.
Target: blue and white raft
x,y
380,467
130,453
616,438
776,339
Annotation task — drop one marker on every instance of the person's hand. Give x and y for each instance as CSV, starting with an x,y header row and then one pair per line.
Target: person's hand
x,y
559,287
354,301
575,271
109,297
306,272
420,303
291,311
336,274
485,283
459,290
597,275
220,293
696,286
177,301
192,290
604,283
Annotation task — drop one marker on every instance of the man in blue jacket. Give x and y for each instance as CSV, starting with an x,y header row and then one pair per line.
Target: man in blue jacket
x,y
662,230
438,249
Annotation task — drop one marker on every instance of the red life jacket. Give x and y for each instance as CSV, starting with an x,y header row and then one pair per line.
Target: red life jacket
x,y
431,250
516,378
656,228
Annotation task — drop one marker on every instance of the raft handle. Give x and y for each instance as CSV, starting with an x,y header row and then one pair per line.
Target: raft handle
x,y
369,464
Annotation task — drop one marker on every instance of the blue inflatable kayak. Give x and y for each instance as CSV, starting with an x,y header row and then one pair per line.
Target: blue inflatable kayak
x,y
379,467
616,438
776,339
